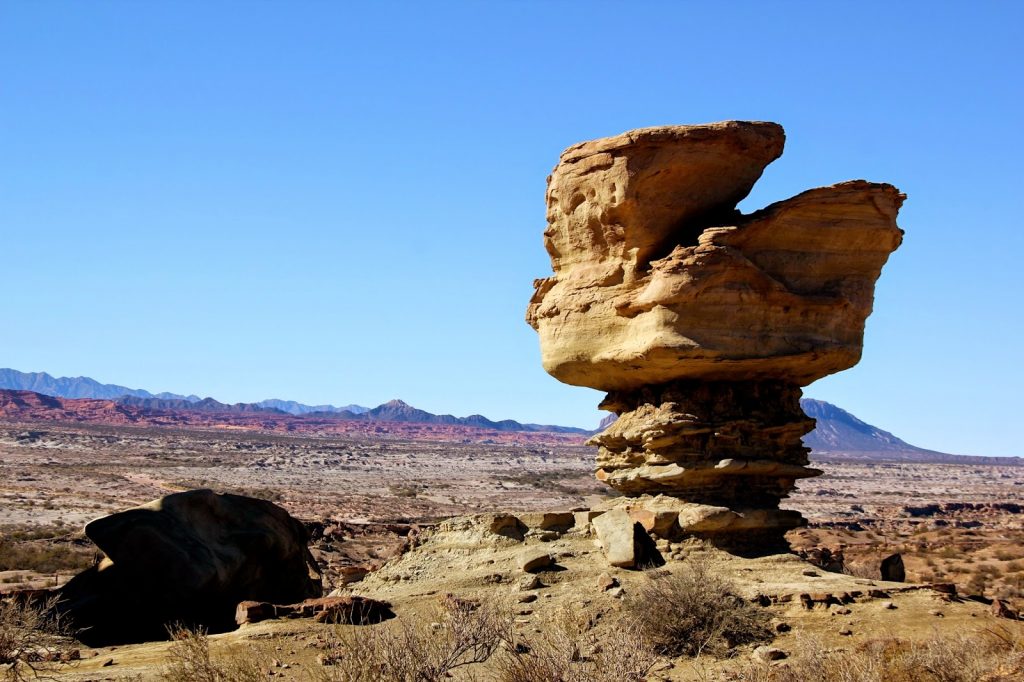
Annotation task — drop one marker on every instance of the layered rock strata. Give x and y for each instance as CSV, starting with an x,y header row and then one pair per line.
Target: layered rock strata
x,y
701,322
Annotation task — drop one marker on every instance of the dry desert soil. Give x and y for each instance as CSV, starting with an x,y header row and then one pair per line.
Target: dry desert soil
x,y
406,521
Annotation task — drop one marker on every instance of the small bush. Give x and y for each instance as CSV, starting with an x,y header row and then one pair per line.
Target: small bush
x,y
695,611
31,639
460,633
573,652
190,661
995,655
43,549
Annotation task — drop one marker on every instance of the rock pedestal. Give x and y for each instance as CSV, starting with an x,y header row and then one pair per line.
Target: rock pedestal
x,y
703,323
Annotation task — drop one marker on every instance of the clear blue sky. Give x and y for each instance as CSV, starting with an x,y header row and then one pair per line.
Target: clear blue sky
x,y
343,202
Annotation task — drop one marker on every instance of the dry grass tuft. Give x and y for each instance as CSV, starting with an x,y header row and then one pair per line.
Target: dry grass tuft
x,y
574,653
190,661
32,641
459,634
992,656
696,611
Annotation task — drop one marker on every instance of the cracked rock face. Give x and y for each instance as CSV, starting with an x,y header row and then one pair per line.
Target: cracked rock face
x,y
701,322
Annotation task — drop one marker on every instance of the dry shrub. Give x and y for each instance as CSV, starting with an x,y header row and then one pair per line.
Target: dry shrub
x,y
573,652
190,660
992,656
695,611
32,640
460,633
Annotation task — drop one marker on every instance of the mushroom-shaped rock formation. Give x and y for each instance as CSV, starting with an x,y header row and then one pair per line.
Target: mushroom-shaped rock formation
x,y
188,558
700,322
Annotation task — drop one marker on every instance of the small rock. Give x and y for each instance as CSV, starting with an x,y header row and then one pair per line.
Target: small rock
x,y
841,611
782,626
811,573
769,653
529,582
617,592
888,605
846,632
107,663
936,613
1000,609
527,598
535,560
606,582
892,569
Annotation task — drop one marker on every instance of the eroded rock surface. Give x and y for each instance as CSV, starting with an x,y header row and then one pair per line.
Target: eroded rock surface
x,y
188,558
703,323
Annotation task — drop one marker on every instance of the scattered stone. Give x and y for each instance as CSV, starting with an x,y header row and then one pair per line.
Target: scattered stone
x,y
782,626
846,632
532,560
606,582
937,613
811,573
351,610
617,592
1001,609
825,558
888,605
530,582
625,542
559,522
527,598
507,525
107,663
842,611
769,653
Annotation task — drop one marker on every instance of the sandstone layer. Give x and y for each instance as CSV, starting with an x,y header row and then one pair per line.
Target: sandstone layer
x,y
701,322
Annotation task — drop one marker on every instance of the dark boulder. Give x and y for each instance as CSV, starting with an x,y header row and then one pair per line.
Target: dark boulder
x,y
189,559
891,568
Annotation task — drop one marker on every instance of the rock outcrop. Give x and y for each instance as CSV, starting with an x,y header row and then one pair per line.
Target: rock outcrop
x,y
188,558
700,322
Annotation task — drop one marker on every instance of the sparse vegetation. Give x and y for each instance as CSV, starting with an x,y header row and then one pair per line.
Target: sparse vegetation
x,y
190,660
573,652
459,634
43,550
697,611
992,655
31,641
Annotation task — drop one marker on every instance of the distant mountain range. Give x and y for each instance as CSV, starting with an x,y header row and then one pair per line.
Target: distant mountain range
x,y
75,387
839,435
84,387
144,401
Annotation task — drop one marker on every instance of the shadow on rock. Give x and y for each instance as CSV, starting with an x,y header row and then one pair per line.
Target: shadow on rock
x,y
187,559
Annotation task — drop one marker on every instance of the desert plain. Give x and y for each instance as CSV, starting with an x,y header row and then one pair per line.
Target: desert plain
x,y
366,498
